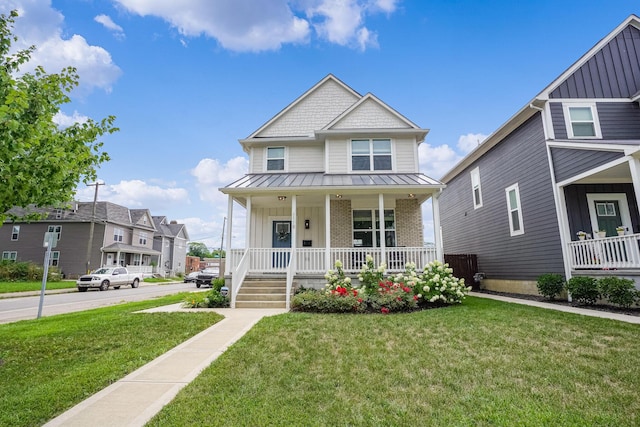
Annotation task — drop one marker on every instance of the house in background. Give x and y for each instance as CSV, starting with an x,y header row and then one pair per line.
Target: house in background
x,y
121,236
567,162
333,176
170,240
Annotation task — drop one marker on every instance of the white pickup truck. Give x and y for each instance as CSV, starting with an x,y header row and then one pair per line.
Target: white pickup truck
x,y
104,277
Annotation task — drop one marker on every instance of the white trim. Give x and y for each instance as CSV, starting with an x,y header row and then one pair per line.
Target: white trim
x,y
581,100
593,171
623,204
285,156
475,173
569,123
512,230
372,155
571,145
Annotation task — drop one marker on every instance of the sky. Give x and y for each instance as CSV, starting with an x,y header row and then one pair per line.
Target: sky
x,y
187,79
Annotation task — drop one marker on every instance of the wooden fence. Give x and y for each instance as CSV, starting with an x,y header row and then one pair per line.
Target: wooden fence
x,y
464,267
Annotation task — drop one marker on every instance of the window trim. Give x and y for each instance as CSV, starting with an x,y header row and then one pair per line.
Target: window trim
x,y
371,155
512,230
142,238
376,232
118,232
15,233
566,107
475,176
9,256
55,229
283,158
54,260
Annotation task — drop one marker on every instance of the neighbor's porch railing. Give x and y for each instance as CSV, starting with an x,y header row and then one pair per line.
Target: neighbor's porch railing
x,y
606,253
312,260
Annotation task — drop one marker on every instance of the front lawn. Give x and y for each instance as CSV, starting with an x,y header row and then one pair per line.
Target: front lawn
x,y
482,363
6,287
50,364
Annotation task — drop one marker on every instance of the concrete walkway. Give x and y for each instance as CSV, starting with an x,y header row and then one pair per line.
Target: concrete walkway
x,y
575,310
136,398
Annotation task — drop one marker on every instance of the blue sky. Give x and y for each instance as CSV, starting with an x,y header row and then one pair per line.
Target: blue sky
x,y
187,79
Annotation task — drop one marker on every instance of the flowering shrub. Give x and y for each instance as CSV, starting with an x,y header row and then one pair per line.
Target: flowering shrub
x,y
211,299
437,283
337,282
392,297
370,275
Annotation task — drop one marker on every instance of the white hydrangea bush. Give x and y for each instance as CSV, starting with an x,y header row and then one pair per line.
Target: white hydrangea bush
x,y
438,284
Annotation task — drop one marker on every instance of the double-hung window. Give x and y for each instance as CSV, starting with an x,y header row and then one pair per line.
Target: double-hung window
x,y
371,155
475,187
118,234
514,208
366,231
582,121
275,158
15,233
55,258
143,238
55,229
9,255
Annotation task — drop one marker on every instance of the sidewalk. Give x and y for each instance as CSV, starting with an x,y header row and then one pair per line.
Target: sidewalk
x,y
136,398
574,310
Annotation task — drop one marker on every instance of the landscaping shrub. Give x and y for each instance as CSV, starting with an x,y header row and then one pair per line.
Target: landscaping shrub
x,y
550,285
618,291
583,289
211,299
217,284
321,302
11,271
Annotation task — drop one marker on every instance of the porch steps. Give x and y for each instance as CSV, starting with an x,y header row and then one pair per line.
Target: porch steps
x,y
262,293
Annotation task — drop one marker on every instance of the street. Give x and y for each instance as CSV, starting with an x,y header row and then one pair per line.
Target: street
x,y
21,308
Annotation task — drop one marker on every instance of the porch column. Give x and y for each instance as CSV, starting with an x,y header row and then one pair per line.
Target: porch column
x,y
437,232
247,229
634,167
383,233
227,264
294,222
327,232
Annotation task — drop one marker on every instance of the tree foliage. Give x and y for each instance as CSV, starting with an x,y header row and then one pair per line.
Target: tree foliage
x,y
199,249
40,163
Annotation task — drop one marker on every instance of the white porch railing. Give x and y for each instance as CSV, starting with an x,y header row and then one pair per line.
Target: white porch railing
x,y
606,253
312,260
143,270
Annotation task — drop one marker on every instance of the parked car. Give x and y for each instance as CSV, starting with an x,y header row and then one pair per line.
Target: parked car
x,y
104,277
206,276
191,277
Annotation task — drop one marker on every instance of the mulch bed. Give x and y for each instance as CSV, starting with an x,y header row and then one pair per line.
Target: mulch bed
x,y
631,311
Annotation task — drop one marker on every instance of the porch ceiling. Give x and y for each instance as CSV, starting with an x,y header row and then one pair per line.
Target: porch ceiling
x,y
615,174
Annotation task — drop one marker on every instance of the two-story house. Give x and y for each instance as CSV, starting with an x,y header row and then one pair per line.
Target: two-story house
x,y
115,235
566,165
333,176
170,240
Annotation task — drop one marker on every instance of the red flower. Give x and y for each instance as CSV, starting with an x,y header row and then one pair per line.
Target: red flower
x,y
355,293
359,300
415,297
384,310
406,289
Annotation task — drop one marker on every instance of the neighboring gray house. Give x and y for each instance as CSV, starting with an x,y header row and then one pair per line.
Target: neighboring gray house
x,y
120,236
333,176
567,162
170,240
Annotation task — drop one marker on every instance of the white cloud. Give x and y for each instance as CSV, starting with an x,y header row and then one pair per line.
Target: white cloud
x,y
108,23
137,194
435,161
211,175
63,120
257,25
40,25
466,143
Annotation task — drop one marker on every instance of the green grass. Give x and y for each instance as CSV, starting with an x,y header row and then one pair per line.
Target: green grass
x,y
6,287
49,365
483,363
162,280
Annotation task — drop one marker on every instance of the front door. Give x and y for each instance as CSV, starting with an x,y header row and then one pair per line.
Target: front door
x,y
281,239
608,216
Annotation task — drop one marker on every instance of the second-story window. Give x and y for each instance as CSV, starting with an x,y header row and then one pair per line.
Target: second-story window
x,y
475,187
143,238
582,121
371,155
275,158
118,235
15,233
55,229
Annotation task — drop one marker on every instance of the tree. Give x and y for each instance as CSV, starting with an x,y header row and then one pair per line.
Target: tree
x,y
40,163
199,249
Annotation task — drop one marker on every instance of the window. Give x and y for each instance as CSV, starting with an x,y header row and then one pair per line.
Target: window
x,y
143,238
55,229
118,235
275,158
371,154
15,233
55,258
582,121
9,255
475,187
515,210
366,232
58,213
606,209
136,259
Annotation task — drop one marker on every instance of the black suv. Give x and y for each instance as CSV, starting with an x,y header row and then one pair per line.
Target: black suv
x,y
206,276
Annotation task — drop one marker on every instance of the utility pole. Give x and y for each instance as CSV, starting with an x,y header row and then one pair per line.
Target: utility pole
x,y
93,219
224,222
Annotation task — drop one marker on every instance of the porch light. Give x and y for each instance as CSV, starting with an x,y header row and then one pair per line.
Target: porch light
x,y
338,196
412,196
281,198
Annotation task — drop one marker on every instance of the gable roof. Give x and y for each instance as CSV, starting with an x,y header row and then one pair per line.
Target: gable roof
x,y
555,89
168,229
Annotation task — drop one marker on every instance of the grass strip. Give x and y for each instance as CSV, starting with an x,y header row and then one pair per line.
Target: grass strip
x,y
50,364
6,287
483,363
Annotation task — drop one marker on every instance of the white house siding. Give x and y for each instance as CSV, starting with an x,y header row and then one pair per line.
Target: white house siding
x,y
337,156
313,112
306,158
258,159
262,225
370,115
405,156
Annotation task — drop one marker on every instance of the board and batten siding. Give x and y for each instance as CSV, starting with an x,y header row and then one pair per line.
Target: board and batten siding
x,y
520,158
262,225
619,121
613,72
568,163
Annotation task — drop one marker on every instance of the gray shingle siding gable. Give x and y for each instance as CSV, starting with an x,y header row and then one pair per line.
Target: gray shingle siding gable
x,y
520,158
619,121
613,72
568,163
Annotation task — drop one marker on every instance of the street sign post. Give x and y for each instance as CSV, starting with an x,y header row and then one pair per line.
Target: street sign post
x,y
50,241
